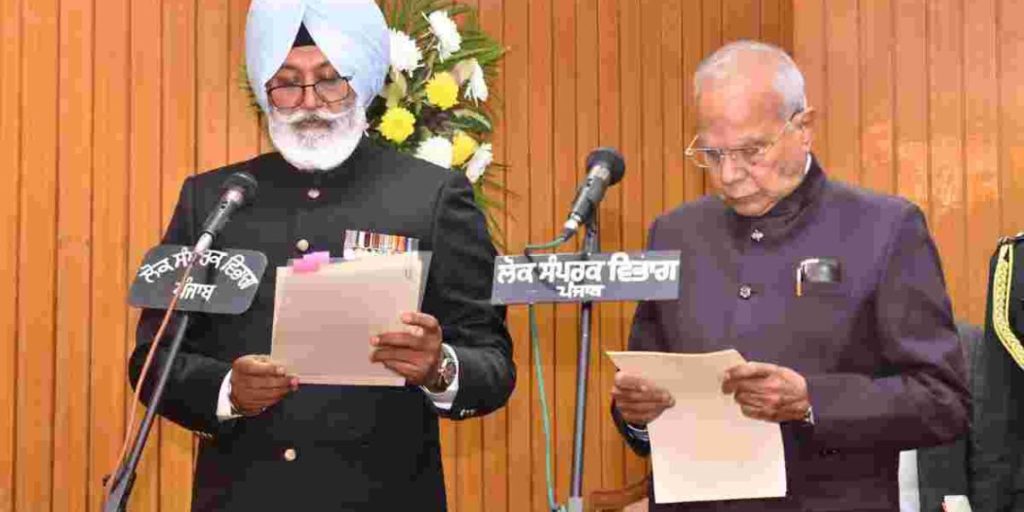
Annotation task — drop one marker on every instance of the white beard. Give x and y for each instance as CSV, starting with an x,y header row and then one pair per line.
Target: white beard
x,y
325,144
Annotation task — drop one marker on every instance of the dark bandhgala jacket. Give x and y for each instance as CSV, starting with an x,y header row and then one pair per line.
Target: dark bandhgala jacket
x,y
335,447
878,347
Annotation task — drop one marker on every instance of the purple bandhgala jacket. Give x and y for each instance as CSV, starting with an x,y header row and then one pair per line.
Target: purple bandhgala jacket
x,y
878,346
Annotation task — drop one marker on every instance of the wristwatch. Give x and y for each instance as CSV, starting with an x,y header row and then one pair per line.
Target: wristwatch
x,y
809,416
445,370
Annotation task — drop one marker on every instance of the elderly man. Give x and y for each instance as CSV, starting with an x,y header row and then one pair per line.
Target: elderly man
x,y
835,293
271,442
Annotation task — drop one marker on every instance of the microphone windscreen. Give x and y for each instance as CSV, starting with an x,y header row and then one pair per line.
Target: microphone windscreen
x,y
610,159
244,181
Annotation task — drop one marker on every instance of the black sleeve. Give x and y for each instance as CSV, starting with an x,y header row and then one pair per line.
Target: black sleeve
x,y
190,397
641,445
458,294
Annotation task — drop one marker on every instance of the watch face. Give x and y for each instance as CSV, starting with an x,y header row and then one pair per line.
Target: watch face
x,y
447,370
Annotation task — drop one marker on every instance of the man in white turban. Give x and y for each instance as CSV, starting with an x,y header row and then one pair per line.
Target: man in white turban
x,y
270,441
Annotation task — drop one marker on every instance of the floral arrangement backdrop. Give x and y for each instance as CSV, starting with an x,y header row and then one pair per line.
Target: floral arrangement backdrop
x,y
435,104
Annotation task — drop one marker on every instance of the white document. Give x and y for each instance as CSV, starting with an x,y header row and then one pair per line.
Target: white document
x,y
703,448
323,319
956,503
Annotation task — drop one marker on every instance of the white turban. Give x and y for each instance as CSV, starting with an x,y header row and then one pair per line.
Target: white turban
x,y
352,34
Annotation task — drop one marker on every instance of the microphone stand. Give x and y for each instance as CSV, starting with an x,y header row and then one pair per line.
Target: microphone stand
x,y
591,245
124,478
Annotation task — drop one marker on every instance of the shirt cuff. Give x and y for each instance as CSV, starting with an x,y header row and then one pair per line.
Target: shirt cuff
x,y
446,398
639,433
224,412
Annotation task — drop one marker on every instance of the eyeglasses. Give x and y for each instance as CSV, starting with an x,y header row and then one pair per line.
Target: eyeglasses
x,y
713,158
329,91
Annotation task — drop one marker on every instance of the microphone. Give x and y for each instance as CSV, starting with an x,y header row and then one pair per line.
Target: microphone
x,y
605,168
238,190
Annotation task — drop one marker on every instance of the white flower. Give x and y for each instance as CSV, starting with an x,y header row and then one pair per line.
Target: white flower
x,y
436,150
477,89
447,33
476,166
405,55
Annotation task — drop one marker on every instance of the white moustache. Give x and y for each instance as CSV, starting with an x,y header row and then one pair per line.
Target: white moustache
x,y
317,140
305,117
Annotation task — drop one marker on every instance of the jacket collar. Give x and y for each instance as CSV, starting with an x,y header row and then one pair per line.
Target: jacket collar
x,y
783,218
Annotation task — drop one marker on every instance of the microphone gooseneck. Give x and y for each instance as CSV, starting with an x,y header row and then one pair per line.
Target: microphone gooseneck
x,y
238,190
605,168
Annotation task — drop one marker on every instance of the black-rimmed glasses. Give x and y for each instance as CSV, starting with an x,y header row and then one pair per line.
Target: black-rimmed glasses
x,y
329,91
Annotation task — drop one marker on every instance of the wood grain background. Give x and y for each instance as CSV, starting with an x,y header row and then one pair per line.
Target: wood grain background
x,y
105,106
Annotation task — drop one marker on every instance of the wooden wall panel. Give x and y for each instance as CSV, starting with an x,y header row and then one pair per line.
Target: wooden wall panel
x,y
37,255
1010,51
981,149
876,85
74,258
10,221
946,173
929,113
107,107
111,244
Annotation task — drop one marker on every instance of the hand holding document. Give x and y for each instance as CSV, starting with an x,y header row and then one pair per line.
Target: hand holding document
x,y
325,313
703,448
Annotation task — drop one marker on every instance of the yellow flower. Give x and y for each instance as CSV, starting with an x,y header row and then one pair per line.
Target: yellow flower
x,y
463,147
397,124
443,91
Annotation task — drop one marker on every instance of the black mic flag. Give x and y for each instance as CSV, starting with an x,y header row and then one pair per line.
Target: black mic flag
x,y
222,281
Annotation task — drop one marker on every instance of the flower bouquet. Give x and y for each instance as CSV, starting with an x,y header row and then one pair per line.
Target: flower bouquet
x,y
434,104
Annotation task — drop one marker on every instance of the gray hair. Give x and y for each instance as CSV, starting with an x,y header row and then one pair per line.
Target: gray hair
x,y
788,81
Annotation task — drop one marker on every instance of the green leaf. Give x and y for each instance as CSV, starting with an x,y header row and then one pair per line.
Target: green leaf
x,y
472,120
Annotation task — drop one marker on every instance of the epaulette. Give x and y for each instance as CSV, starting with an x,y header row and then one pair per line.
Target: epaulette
x,y
1019,237
1002,281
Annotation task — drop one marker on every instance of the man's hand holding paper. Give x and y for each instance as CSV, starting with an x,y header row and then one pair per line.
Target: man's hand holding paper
x,y
639,400
258,382
703,448
768,392
413,352
350,323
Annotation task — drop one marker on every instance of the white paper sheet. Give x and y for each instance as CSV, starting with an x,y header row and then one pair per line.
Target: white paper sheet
x,y
323,320
703,448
